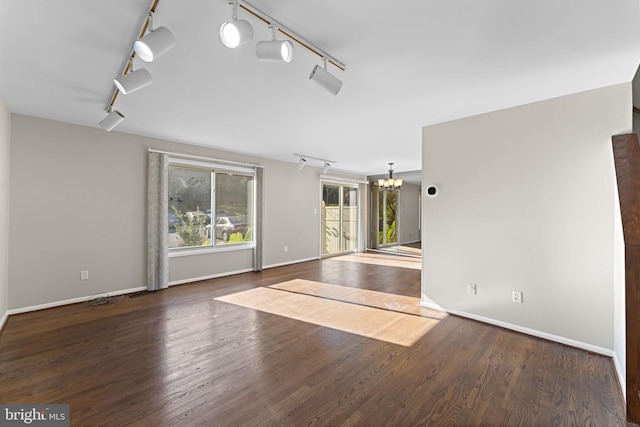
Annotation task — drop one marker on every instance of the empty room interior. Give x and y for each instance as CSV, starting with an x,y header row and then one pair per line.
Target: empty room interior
x,y
232,213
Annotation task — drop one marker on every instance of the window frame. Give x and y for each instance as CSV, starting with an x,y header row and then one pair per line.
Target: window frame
x,y
215,168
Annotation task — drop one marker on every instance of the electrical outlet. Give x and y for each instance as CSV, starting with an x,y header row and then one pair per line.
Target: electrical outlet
x,y
516,296
84,275
286,248
471,289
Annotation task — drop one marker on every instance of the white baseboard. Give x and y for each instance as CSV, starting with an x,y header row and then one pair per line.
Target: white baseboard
x,y
212,276
3,321
281,264
524,330
72,301
622,381
231,273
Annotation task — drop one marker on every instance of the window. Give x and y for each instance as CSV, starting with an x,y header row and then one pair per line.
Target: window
x,y
209,205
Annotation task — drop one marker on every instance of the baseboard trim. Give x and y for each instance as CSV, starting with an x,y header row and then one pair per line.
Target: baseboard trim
x,y
622,381
71,301
528,331
282,264
3,321
212,276
231,273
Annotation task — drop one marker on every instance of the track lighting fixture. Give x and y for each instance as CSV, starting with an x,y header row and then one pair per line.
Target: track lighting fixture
x,y
112,120
325,79
133,80
302,163
326,164
275,50
235,32
155,43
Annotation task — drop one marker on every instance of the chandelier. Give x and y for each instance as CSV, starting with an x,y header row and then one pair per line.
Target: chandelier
x,y
391,183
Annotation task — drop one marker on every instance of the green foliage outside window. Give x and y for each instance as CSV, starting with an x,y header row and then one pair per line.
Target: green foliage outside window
x,y
191,229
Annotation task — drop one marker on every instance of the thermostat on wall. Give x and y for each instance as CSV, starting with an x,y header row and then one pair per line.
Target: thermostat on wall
x,y
432,191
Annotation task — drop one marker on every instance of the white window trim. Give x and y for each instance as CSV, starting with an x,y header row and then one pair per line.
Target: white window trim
x,y
218,168
193,250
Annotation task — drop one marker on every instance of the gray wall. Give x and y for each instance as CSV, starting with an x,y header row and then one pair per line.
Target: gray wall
x,y
5,136
409,214
527,202
78,203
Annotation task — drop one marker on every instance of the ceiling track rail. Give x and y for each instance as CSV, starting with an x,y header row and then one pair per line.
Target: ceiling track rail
x,y
292,35
129,61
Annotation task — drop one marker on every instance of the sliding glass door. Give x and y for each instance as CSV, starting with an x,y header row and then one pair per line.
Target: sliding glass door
x,y
387,226
339,219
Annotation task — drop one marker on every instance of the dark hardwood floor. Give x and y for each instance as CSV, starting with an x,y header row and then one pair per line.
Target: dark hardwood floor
x,y
179,357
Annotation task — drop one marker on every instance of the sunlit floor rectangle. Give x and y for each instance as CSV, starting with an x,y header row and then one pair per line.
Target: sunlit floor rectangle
x,y
381,259
403,250
365,297
390,326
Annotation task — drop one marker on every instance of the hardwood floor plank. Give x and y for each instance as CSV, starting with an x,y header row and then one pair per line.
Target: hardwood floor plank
x,y
181,357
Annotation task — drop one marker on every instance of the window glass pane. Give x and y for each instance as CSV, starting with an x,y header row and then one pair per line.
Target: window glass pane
x,y
189,207
390,216
330,219
233,208
381,226
387,201
350,219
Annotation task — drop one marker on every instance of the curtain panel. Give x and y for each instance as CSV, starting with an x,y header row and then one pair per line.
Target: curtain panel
x,y
157,221
257,251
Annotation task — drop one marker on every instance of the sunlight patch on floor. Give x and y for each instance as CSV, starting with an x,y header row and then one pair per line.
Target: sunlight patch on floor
x,y
403,250
348,309
380,259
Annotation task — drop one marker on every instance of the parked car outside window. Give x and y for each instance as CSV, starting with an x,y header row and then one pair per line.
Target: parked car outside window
x,y
227,225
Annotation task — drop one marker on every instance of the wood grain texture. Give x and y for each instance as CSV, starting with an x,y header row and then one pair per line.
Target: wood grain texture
x,y
179,357
626,153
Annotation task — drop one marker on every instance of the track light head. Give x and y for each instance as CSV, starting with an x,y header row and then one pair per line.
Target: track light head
x,y
235,33
302,163
112,120
325,79
275,51
154,44
133,80
326,167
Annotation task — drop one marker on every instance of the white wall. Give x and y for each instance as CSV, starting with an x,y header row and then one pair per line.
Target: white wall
x,y
527,203
619,290
78,203
5,136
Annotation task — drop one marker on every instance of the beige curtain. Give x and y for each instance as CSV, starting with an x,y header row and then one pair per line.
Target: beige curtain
x,y
363,242
257,250
157,221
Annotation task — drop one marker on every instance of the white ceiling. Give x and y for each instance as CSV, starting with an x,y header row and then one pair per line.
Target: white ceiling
x,y
409,64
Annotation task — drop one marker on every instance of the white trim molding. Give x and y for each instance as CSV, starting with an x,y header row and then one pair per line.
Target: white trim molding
x,y
535,333
73,300
281,264
212,276
4,319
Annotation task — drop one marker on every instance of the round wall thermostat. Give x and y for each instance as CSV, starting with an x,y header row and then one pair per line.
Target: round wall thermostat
x,y
432,191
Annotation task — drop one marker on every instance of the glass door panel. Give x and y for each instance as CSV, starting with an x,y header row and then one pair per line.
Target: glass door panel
x,y
349,219
339,219
387,207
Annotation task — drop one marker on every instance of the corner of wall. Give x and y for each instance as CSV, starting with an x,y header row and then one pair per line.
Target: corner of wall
x,y
5,137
